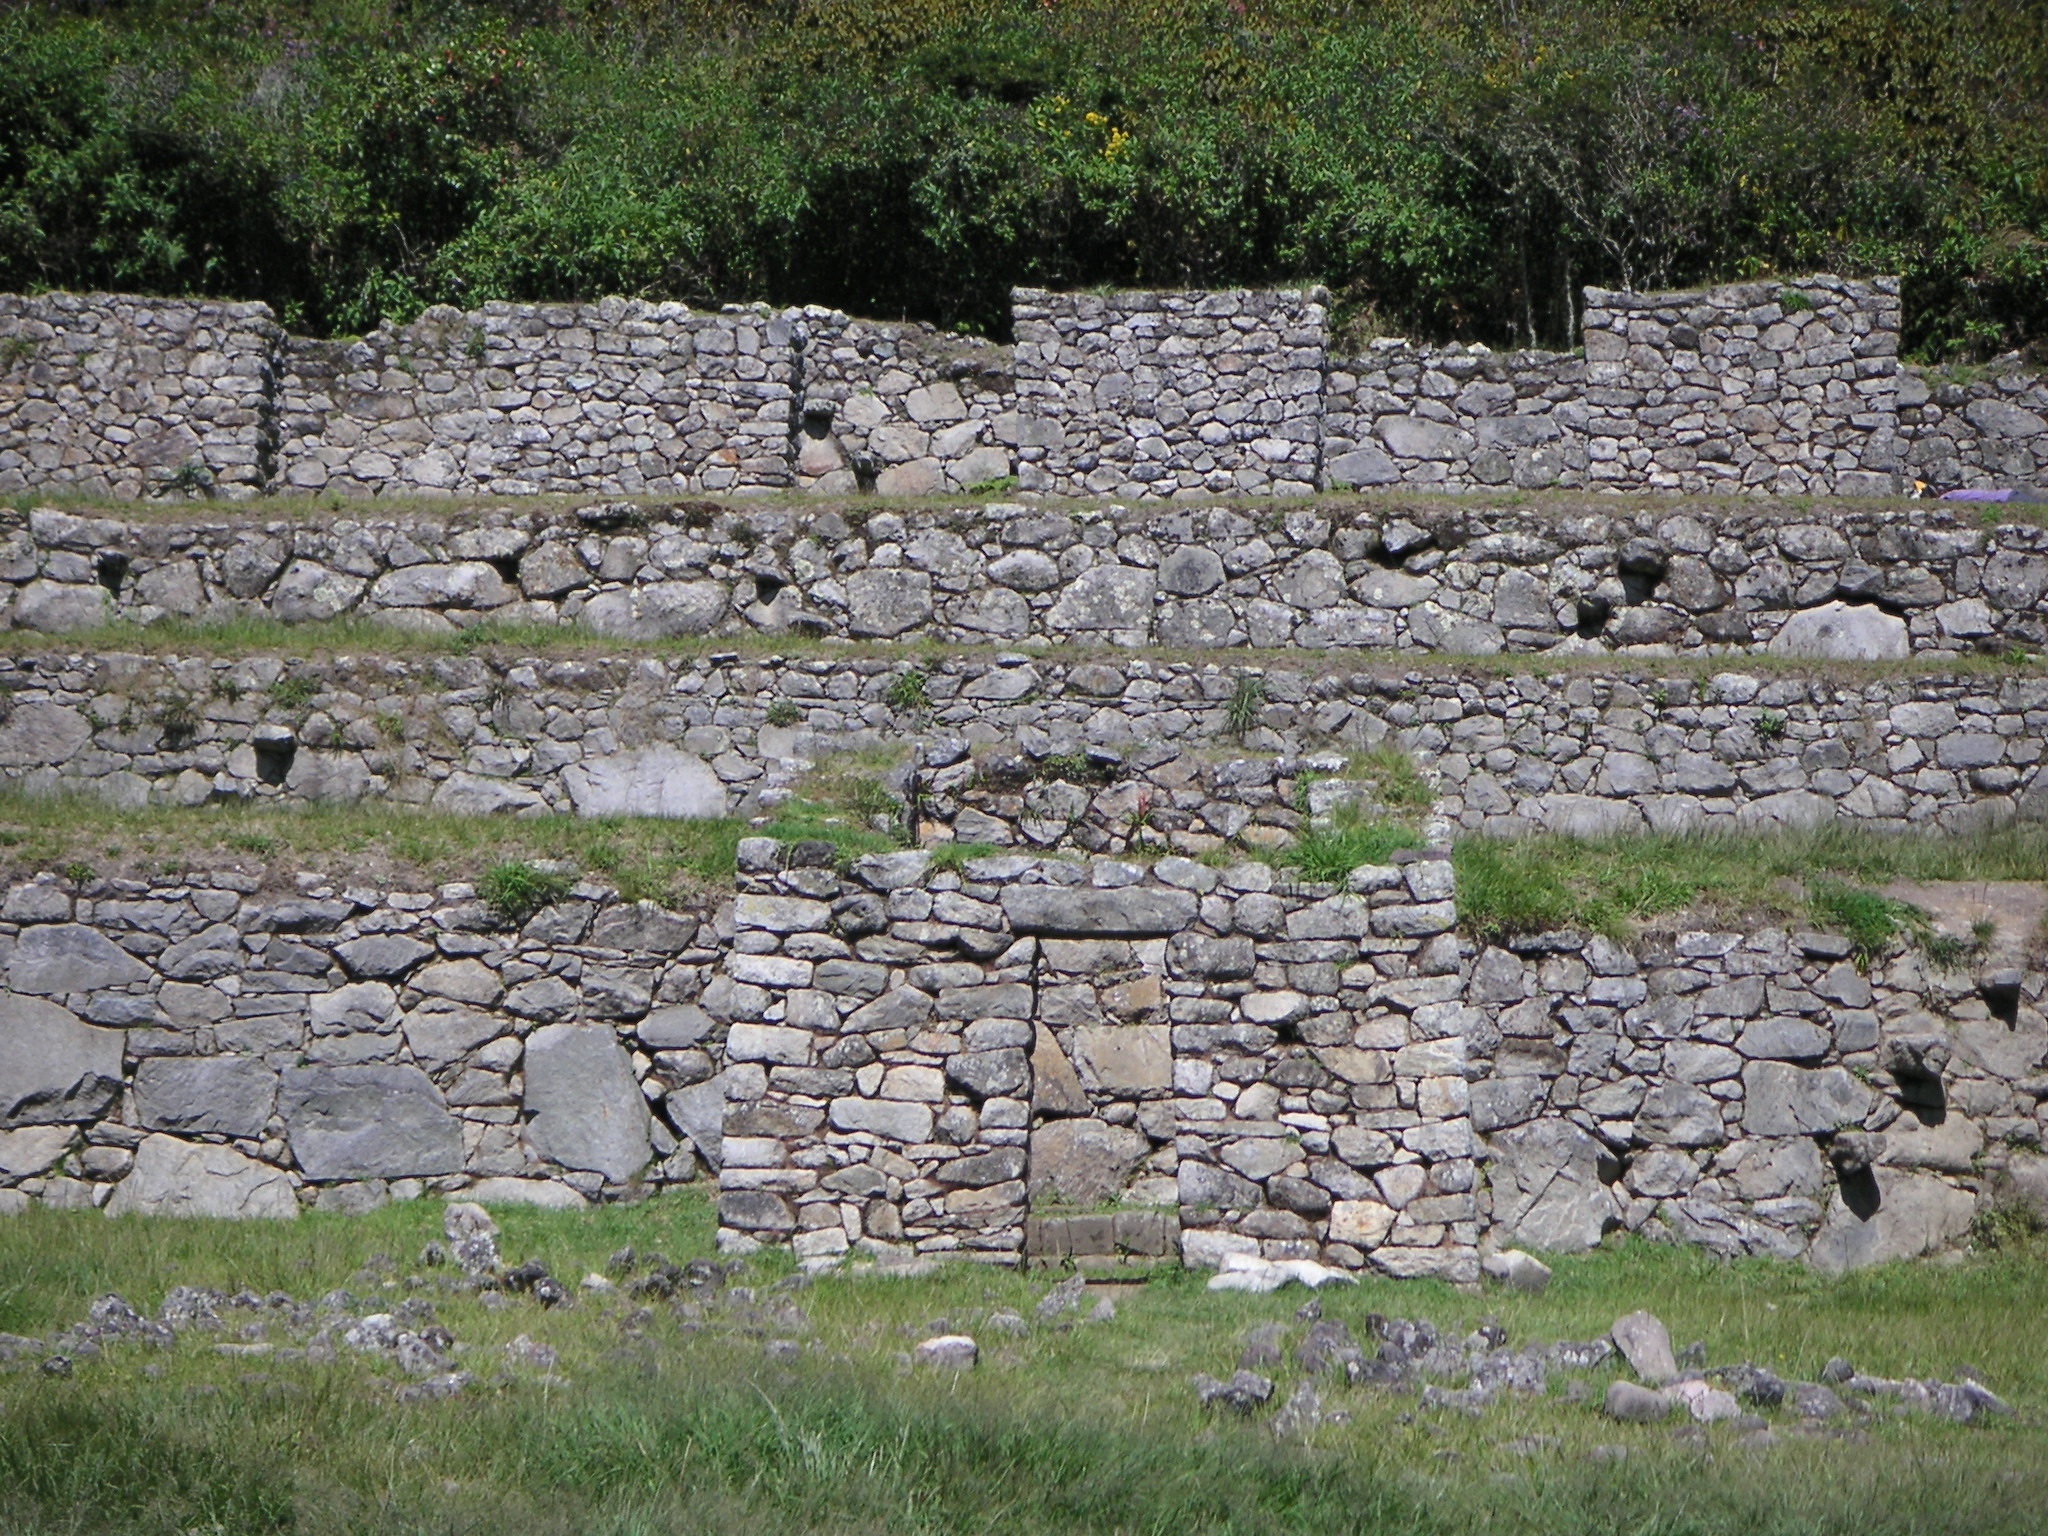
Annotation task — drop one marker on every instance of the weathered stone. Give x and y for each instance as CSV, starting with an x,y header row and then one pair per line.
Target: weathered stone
x,y
1131,912
1888,1215
1784,1100
196,1095
1126,1059
53,1066
56,958
1547,1192
881,604
656,611
1646,1345
1842,632
1083,1162
586,1111
188,1178
368,1122
645,781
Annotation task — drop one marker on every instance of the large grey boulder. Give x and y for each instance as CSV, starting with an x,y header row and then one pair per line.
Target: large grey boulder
x,y
1133,912
881,604
1547,1193
1843,632
192,1178
1913,1214
56,958
656,611
657,780
311,593
1780,1099
462,584
38,733
1083,1162
60,607
53,1066
369,1122
1105,597
199,1095
586,1109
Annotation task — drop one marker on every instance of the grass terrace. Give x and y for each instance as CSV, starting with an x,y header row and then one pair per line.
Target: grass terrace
x,y
1829,880
774,1404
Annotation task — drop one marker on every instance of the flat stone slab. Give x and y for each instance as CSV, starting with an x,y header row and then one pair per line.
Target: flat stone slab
x,y
1132,912
54,1067
587,1110
195,1178
369,1122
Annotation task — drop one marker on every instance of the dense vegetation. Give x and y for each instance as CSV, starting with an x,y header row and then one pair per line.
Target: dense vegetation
x,y
1449,167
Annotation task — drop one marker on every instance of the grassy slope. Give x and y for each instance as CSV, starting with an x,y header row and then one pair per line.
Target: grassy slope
x,y
1093,1428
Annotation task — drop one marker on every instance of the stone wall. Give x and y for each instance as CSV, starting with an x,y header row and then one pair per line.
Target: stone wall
x,y
1756,1093
1978,432
1350,575
1019,1055
618,397
920,1055
1454,417
1762,386
197,1044
903,409
1172,394
1026,752
1759,387
117,395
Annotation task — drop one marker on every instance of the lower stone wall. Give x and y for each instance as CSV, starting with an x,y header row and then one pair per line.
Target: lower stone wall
x,y
920,1054
200,1044
1760,1092
1009,1056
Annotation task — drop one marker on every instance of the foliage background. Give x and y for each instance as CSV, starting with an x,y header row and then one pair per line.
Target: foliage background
x,y
1452,168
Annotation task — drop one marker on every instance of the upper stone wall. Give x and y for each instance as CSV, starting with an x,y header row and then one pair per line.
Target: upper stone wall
x,y
621,397
1792,389
1172,394
123,396
1757,388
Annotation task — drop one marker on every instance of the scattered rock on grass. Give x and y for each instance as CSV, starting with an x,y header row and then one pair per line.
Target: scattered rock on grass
x,y
1064,1297
1632,1404
1516,1270
1245,1391
949,1351
1646,1345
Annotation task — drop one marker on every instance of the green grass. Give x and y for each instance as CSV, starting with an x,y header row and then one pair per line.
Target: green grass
x,y
1528,885
397,845
1330,853
659,1422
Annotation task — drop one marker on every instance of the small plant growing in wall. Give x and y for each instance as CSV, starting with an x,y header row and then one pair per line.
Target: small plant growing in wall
x,y
784,712
515,890
1792,301
1771,724
175,717
908,693
1241,712
294,693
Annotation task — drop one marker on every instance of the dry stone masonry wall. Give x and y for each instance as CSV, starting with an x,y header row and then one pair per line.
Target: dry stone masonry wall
x,y
1172,394
1757,387
123,396
1034,752
1872,585
1458,417
1761,386
1016,1056
620,397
